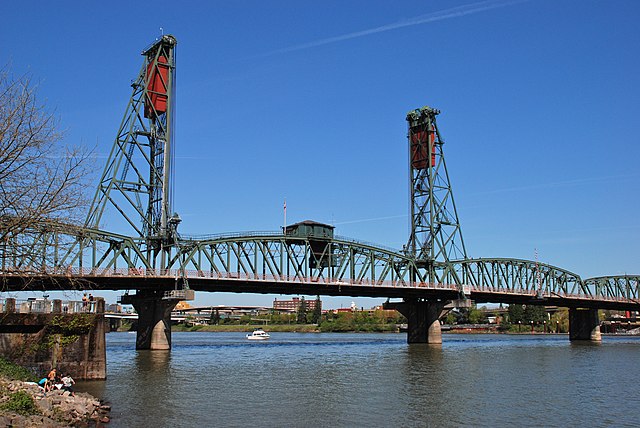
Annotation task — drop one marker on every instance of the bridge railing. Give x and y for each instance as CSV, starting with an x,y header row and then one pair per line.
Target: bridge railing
x,y
45,306
544,294
88,272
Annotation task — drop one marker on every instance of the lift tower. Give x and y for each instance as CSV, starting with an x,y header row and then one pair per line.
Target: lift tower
x,y
138,183
436,237
137,180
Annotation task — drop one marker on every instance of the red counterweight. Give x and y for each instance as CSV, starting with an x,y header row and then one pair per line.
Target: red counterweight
x,y
420,142
157,87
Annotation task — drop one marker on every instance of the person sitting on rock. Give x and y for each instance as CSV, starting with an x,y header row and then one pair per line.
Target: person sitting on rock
x,y
67,384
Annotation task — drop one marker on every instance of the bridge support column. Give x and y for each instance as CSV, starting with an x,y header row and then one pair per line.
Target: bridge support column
x,y
423,319
584,325
154,319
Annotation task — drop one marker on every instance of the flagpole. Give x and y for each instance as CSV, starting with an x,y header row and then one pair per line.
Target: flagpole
x,y
284,226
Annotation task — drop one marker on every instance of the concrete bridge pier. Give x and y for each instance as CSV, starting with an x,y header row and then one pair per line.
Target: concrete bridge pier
x,y
584,325
423,319
154,318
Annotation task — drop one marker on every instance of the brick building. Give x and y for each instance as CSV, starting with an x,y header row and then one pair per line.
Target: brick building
x,y
293,304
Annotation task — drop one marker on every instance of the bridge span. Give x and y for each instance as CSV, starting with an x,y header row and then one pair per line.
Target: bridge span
x,y
432,271
591,293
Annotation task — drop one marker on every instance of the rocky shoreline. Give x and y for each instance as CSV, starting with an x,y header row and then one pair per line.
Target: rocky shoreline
x,y
54,409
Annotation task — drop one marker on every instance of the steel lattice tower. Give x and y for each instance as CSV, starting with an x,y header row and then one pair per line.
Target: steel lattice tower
x,y
137,179
436,236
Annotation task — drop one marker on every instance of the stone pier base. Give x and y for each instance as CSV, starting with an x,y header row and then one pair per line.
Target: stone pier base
x,y
71,342
423,319
154,319
584,325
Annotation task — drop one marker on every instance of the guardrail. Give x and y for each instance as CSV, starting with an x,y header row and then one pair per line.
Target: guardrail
x,y
240,276
46,306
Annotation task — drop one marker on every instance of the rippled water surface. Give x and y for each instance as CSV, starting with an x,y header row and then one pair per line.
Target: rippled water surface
x,y
315,380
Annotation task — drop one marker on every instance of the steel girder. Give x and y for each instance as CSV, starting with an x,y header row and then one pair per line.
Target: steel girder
x,y
526,277
520,276
627,286
275,257
57,249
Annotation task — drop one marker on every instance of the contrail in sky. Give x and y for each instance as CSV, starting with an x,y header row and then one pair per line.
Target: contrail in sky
x,y
364,220
440,15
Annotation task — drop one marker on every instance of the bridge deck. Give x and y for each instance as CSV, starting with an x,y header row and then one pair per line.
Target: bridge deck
x,y
264,284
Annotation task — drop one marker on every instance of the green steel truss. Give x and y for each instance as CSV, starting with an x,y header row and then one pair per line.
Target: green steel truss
x,y
270,260
61,249
615,286
520,276
436,236
136,182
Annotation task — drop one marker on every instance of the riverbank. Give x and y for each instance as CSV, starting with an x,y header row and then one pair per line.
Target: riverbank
x,y
313,328
382,328
274,328
24,404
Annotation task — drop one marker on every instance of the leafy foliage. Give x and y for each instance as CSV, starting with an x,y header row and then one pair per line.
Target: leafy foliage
x,y
20,402
359,322
316,314
14,371
302,312
526,314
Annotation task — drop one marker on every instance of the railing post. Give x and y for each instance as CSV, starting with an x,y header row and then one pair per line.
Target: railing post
x,y
100,305
10,305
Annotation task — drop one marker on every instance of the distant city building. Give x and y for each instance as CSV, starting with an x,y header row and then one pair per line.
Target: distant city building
x,y
114,307
294,304
182,305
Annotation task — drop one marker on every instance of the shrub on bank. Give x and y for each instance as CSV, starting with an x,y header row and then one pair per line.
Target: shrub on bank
x,y
14,371
20,402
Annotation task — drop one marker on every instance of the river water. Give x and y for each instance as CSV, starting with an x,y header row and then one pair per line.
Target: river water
x,y
372,380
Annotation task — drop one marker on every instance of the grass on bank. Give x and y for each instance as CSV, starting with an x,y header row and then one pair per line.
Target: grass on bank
x,y
14,371
288,328
20,402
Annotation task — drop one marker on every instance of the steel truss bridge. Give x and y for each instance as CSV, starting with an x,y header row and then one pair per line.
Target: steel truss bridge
x,y
136,186
59,256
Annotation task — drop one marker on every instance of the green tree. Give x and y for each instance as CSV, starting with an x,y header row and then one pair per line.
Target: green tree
x,y
301,317
526,313
317,311
476,316
535,313
215,318
450,319
515,312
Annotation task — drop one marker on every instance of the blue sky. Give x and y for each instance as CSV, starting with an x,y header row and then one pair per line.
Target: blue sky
x,y
307,101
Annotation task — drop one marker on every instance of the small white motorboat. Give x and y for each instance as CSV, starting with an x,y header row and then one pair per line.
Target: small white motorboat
x,y
258,335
